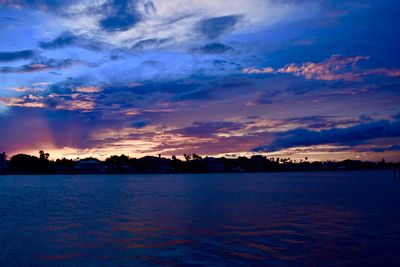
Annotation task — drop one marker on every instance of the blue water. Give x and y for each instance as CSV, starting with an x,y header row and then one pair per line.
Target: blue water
x,y
262,219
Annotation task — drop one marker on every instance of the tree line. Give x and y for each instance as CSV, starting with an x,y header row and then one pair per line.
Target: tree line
x,y
28,164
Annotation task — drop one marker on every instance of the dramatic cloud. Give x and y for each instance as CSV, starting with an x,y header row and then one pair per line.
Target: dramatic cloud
x,y
199,76
123,23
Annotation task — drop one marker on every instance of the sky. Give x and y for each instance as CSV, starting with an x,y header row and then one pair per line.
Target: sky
x,y
283,78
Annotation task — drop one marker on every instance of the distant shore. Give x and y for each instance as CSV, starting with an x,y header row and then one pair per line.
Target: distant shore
x,y
27,164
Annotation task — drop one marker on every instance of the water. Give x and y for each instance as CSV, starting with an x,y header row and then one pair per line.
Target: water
x,y
262,219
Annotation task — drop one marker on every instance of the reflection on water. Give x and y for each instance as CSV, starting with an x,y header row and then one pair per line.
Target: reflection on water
x,y
282,219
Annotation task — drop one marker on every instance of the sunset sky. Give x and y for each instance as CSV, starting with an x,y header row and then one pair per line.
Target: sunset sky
x,y
294,78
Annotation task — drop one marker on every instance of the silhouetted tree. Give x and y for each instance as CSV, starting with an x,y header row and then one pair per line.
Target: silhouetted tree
x,y
187,157
117,163
89,159
22,163
64,165
196,157
43,156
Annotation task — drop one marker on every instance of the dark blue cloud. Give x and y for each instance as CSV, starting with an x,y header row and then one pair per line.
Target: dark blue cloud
x,y
351,136
315,122
120,14
141,123
40,65
267,98
149,43
149,8
397,116
67,39
173,87
209,88
116,57
213,48
194,95
123,17
60,42
388,148
16,55
212,28
120,22
9,18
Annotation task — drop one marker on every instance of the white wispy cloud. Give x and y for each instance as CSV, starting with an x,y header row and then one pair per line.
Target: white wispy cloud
x,y
176,20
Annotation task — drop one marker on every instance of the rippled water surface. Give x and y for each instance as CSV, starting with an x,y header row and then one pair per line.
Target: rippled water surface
x,y
262,219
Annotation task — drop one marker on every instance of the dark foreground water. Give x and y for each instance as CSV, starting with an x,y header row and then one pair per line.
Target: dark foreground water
x,y
263,219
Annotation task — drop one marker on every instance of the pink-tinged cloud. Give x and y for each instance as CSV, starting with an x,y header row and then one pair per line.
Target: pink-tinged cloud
x,y
88,89
28,89
83,105
336,68
72,102
76,101
28,101
382,71
48,65
258,71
